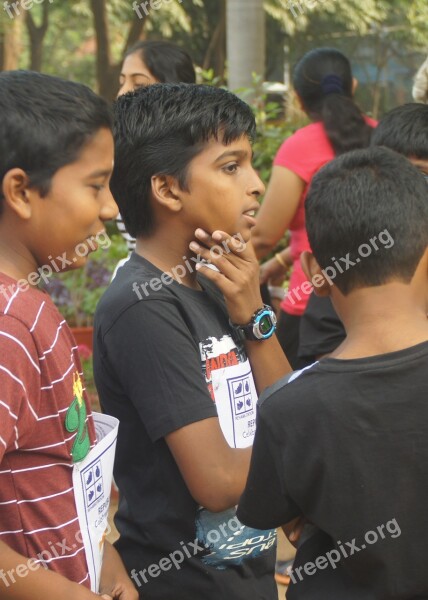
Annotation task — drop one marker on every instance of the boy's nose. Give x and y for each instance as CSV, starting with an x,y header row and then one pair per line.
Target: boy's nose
x,y
109,208
125,88
258,188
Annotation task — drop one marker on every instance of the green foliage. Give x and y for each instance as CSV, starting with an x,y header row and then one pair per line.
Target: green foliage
x,y
77,292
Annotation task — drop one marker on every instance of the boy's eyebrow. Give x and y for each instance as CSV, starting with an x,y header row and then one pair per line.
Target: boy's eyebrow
x,y
240,153
136,75
100,173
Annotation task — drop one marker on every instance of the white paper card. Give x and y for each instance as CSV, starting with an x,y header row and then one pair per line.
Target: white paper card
x,y
92,479
236,400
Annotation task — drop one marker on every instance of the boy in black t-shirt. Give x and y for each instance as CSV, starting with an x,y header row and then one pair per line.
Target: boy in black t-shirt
x,y
344,442
168,363
405,130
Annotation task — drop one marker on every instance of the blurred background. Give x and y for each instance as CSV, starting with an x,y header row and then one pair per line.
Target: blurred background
x,y
229,40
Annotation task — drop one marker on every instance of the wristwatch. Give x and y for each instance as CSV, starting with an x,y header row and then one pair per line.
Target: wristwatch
x,y
261,327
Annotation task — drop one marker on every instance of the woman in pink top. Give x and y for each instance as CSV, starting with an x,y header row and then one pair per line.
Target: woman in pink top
x,y
324,85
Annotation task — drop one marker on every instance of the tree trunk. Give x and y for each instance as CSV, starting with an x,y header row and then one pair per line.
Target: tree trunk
x,y
108,72
382,56
37,35
215,55
245,41
12,45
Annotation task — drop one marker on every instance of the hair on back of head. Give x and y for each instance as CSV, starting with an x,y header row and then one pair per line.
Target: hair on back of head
x,y
166,61
405,130
356,198
323,80
45,122
159,130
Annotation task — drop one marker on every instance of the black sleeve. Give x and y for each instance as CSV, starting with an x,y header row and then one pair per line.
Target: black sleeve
x,y
265,502
156,361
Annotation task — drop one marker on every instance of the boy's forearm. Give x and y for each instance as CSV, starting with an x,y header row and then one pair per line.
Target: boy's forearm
x,y
268,362
22,579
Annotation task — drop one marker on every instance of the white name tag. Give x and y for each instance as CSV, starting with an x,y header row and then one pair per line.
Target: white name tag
x,y
236,399
92,479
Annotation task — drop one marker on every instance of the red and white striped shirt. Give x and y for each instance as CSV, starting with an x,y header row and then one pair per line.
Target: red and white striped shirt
x,y
40,386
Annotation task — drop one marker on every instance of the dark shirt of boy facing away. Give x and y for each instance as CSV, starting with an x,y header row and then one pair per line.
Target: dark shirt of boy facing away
x,y
344,442
405,130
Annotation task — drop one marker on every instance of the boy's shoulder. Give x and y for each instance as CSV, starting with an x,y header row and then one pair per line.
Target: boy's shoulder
x,y
25,306
294,388
142,294
138,280
321,390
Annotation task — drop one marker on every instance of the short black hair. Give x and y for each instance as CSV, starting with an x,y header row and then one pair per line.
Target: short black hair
x,y
405,130
159,130
353,200
44,123
166,61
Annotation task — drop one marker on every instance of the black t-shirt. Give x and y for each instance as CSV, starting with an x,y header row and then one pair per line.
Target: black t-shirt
x,y
345,443
164,357
321,330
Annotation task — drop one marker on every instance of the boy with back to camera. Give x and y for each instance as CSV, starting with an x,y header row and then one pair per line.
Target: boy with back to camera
x,y
168,362
362,481
405,130
56,152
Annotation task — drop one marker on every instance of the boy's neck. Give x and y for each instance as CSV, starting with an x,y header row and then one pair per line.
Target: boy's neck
x,y
380,320
171,254
15,260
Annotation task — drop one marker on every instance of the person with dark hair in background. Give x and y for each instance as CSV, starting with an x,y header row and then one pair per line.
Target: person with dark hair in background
x,y
404,130
324,85
147,63
151,62
344,441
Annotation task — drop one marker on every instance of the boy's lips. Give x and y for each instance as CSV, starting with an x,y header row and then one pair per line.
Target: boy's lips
x,y
250,215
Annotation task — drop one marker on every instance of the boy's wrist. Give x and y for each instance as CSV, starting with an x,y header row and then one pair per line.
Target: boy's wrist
x,y
114,578
261,326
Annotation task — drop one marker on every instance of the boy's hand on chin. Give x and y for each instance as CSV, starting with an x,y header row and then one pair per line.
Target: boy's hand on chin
x,y
238,271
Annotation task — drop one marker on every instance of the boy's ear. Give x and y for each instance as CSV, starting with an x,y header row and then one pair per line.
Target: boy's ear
x,y
166,192
354,85
17,194
314,273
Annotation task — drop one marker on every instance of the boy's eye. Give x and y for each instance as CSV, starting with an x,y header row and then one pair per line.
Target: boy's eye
x,y
96,187
231,168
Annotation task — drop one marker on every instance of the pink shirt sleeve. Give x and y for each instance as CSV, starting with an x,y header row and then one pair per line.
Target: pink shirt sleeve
x,y
305,152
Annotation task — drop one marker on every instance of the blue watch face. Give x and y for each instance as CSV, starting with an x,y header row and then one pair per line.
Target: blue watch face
x,y
265,324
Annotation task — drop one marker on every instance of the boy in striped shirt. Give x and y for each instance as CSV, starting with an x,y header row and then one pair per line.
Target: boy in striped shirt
x,y
56,154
